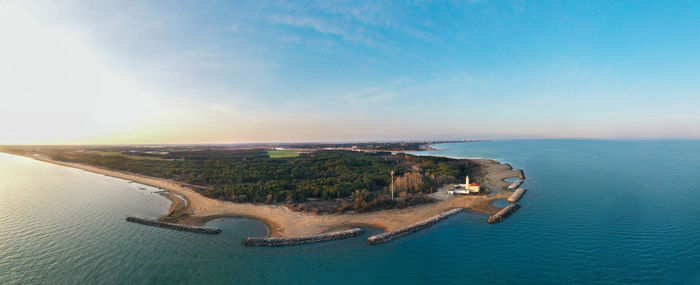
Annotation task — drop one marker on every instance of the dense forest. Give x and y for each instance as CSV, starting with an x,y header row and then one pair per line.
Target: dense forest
x,y
371,146
378,146
328,180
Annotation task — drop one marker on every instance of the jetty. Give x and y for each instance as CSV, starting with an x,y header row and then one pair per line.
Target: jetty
x,y
522,174
503,213
515,184
516,195
179,227
388,236
287,241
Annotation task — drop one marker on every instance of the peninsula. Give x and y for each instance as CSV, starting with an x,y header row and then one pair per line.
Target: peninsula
x,y
312,203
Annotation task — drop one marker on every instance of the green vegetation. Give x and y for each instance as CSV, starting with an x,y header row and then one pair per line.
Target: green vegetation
x,y
375,146
334,180
129,156
276,153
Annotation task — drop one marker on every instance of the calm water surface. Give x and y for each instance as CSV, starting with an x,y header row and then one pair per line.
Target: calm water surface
x,y
595,212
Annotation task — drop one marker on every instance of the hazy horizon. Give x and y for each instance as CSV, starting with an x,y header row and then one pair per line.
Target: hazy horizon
x,y
282,143
114,72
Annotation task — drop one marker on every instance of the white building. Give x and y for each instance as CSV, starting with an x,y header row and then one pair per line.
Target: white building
x,y
466,188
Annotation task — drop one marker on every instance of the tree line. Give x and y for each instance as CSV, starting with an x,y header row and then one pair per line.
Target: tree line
x,y
356,181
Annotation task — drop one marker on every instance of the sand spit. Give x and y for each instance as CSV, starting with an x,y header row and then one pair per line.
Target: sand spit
x,y
283,222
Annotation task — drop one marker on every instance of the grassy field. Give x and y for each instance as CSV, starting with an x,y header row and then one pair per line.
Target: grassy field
x,y
135,157
282,153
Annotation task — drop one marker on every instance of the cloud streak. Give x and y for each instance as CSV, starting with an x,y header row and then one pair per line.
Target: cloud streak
x,y
248,71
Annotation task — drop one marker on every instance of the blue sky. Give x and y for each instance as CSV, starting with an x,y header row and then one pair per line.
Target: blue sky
x,y
242,71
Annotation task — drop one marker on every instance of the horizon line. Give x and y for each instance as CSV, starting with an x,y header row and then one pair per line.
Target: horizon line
x,y
438,141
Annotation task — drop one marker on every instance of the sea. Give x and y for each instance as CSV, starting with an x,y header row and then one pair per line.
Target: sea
x,y
596,212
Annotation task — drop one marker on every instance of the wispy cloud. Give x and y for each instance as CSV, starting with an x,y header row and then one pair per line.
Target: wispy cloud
x,y
369,95
308,22
372,24
324,26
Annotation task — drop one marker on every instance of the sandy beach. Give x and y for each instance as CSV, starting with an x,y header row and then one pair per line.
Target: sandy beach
x,y
284,222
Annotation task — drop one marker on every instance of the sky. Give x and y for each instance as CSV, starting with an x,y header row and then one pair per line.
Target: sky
x,y
152,72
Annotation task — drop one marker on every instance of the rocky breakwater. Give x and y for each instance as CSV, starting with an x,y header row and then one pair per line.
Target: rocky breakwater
x,y
517,195
515,184
388,236
503,213
179,227
286,241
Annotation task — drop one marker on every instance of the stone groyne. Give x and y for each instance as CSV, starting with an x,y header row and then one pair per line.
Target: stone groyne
x,y
503,213
522,174
179,227
516,195
515,184
285,241
388,236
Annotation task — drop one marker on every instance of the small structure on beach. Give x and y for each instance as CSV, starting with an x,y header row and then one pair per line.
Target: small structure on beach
x,y
466,188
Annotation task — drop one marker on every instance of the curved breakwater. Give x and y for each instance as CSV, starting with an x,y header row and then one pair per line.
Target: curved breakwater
x,y
286,241
503,213
388,236
179,227
517,195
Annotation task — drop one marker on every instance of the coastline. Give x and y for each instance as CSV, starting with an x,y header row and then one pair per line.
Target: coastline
x,y
283,222
427,147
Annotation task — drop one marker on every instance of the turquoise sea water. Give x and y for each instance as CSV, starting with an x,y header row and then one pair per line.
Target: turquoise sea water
x,y
595,212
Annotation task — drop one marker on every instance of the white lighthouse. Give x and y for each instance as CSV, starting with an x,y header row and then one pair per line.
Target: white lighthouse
x,y
466,188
